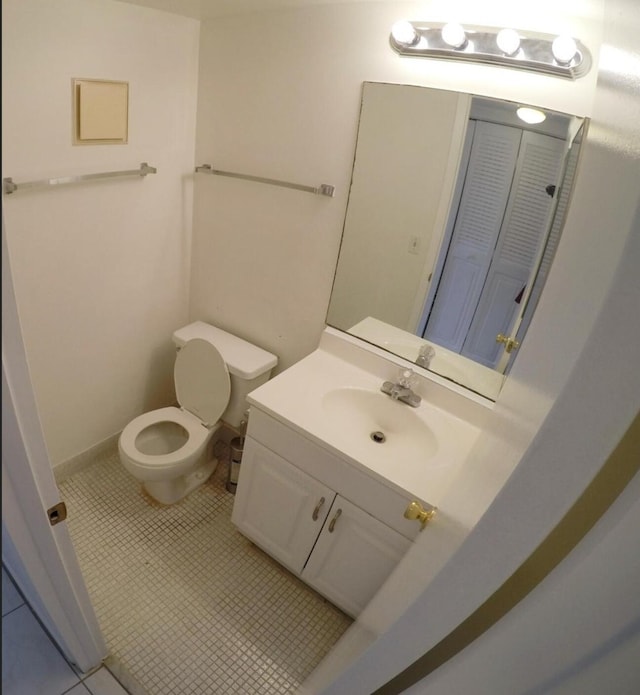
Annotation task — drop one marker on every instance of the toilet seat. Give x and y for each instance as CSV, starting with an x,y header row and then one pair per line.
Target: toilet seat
x,y
196,437
203,388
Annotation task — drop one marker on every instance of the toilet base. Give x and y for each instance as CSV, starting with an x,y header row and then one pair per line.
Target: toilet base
x,y
173,490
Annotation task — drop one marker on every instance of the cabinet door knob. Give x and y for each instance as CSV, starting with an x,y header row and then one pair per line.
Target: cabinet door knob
x,y
336,516
316,511
415,511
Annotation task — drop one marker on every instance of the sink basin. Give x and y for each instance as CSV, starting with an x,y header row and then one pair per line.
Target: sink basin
x,y
373,425
333,398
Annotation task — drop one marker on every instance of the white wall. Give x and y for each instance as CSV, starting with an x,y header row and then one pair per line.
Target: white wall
x,y
100,269
279,96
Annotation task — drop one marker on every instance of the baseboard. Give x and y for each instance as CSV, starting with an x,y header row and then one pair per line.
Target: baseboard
x,y
67,468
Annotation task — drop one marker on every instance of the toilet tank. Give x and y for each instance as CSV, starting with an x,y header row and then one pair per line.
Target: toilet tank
x,y
249,366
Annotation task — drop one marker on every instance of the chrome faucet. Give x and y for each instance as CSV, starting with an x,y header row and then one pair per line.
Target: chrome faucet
x,y
402,389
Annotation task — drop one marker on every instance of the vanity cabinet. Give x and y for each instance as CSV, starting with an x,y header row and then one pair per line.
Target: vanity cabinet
x,y
295,501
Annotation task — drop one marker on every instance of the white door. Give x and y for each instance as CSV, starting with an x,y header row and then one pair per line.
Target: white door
x,y
500,225
561,198
278,506
492,163
522,234
353,556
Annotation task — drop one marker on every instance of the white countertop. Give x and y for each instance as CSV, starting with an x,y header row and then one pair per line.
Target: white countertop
x,y
296,398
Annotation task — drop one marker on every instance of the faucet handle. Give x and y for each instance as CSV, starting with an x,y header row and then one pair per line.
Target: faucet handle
x,y
425,355
427,351
407,378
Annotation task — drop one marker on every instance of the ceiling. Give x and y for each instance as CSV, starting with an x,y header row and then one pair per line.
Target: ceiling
x,y
209,9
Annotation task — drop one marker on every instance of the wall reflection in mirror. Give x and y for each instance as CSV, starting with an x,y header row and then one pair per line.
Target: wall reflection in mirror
x,y
455,211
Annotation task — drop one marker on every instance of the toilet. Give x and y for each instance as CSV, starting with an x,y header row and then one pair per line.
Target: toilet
x,y
170,449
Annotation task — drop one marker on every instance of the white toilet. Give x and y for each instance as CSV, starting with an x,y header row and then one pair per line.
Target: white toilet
x,y
169,449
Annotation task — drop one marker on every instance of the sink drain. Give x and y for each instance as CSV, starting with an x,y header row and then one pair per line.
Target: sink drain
x,y
378,437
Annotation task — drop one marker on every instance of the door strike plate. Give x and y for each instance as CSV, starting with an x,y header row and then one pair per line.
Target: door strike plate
x,y
57,513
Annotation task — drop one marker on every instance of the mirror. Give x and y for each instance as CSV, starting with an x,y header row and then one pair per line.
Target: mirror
x,y
455,210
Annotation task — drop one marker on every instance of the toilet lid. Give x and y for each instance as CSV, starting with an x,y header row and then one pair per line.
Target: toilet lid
x,y
202,380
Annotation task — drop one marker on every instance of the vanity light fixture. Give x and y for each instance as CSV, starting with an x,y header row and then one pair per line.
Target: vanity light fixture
x,y
560,56
529,115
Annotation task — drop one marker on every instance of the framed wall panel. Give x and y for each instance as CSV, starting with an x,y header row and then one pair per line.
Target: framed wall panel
x,y
100,112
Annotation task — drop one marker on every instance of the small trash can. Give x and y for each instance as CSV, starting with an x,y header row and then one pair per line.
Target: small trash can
x,y
235,459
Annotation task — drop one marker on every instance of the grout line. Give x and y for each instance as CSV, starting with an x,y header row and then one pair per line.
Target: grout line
x,y
9,612
75,685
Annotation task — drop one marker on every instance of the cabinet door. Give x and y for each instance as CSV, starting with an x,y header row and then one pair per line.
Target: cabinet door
x,y
354,554
278,506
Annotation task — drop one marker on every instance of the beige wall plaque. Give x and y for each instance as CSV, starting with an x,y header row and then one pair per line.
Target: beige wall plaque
x,y
101,112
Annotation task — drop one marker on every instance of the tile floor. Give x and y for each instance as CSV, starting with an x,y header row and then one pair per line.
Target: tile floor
x,y
32,663
185,602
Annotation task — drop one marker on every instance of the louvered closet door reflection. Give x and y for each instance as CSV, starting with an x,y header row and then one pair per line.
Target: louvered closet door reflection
x,y
551,244
492,163
523,230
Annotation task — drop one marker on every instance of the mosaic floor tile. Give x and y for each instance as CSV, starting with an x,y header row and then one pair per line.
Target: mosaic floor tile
x,y
186,603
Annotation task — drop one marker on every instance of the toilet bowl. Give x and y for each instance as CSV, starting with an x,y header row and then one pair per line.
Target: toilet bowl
x,y
170,449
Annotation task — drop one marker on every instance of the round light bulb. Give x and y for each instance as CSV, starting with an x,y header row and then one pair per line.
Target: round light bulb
x,y
564,49
454,35
508,41
403,32
529,115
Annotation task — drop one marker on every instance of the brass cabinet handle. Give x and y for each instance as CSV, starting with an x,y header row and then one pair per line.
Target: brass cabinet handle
x,y
332,525
510,344
316,511
415,511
